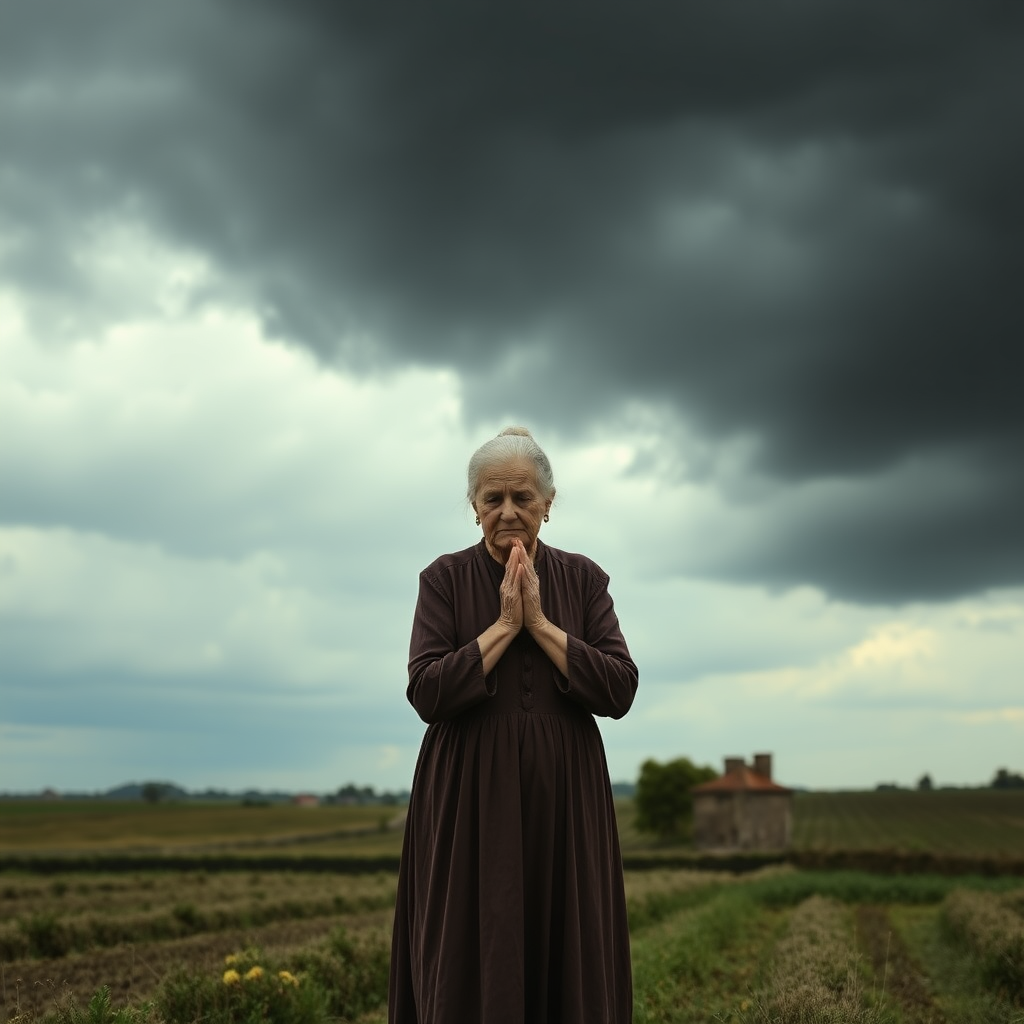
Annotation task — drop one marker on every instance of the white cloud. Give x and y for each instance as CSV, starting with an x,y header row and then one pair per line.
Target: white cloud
x,y
893,643
134,608
1010,716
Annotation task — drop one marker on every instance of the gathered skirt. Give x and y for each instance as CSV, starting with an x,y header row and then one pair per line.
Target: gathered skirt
x,y
511,908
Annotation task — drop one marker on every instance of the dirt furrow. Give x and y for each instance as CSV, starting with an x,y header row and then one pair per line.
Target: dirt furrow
x,y
899,975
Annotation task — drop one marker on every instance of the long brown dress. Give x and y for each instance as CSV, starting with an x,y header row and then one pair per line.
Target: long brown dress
x,y
510,898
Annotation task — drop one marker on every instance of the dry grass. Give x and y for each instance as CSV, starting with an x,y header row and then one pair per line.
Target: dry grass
x,y
816,976
72,913
61,827
991,927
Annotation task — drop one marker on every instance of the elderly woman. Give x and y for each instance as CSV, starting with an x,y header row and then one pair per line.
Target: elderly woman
x,y
510,899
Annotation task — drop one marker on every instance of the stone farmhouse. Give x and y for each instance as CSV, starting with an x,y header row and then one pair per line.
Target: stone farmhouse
x,y
743,809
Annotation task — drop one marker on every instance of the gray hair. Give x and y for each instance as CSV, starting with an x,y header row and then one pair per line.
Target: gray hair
x,y
511,443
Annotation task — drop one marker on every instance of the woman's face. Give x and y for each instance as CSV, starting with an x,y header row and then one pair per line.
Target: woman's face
x,y
510,506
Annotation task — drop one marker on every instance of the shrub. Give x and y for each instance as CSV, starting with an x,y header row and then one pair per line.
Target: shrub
x,y
47,936
341,978
353,972
189,915
14,941
249,990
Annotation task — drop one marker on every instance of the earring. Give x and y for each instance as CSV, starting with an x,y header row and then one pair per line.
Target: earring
x,y
547,518
477,520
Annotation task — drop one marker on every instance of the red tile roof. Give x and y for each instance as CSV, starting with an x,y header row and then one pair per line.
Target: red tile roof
x,y
741,779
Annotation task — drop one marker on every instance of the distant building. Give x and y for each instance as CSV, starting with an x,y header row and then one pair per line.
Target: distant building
x,y
306,800
743,809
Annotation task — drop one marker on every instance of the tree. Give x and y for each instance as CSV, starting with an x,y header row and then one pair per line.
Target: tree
x,y
925,782
1007,780
663,802
152,792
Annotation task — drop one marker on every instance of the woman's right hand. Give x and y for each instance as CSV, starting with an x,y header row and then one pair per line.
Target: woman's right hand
x,y
494,640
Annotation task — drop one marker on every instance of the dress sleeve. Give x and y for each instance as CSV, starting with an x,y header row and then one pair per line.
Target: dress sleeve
x,y
602,675
444,679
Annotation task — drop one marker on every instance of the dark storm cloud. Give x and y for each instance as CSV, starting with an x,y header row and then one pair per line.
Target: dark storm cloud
x,y
911,535
797,223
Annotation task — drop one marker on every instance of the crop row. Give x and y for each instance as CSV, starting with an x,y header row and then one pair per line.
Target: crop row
x,y
54,932
992,928
816,972
772,949
740,961
111,893
71,913
777,945
986,823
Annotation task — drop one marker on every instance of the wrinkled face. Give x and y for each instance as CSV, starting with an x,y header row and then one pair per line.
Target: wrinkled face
x,y
510,505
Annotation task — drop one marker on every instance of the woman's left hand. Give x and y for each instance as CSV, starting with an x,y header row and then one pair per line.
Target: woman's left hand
x,y
533,614
552,639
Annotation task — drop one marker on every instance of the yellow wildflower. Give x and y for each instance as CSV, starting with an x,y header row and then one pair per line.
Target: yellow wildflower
x,y
231,959
288,978
254,973
232,977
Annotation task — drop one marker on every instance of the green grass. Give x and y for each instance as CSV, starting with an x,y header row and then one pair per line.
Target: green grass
x,y
700,962
955,978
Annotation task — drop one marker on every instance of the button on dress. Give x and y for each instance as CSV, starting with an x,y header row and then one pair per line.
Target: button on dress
x,y
510,906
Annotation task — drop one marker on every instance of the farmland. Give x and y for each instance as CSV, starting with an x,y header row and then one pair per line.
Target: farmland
x,y
982,823
778,943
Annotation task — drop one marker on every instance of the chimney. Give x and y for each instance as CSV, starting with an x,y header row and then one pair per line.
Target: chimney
x,y
733,764
763,765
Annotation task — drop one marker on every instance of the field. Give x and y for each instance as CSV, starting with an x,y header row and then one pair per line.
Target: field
x,y
83,828
970,823
87,900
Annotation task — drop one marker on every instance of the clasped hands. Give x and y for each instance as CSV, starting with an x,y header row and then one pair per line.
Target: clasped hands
x,y
520,593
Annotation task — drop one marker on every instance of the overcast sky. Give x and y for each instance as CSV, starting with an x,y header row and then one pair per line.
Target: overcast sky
x,y
270,272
